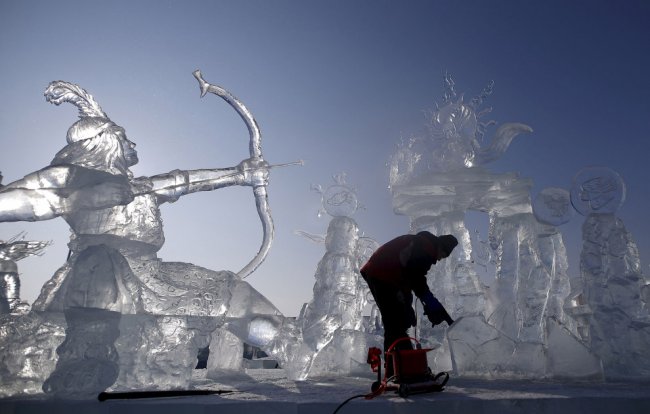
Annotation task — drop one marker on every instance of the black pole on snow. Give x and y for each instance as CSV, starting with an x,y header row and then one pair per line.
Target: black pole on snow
x,y
103,396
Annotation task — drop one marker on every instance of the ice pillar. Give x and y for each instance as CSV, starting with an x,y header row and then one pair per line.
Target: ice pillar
x,y
619,328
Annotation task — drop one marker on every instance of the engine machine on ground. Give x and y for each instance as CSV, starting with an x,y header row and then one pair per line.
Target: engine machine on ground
x,y
410,371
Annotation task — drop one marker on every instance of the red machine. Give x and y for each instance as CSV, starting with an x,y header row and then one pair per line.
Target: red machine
x,y
412,374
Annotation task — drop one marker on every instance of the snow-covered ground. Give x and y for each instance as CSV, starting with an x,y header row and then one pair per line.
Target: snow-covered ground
x,y
269,391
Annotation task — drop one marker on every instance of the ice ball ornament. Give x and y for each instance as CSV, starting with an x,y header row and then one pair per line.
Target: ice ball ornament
x,y
597,190
553,206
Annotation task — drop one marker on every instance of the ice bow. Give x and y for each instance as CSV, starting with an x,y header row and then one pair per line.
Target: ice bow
x,y
255,148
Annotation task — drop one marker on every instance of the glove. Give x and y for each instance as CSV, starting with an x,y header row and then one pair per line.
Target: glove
x,y
434,310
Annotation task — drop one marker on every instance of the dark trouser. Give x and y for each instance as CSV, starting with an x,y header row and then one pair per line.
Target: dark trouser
x,y
396,310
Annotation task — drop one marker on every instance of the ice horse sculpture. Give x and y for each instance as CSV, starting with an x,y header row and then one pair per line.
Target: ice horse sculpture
x,y
503,331
132,321
332,323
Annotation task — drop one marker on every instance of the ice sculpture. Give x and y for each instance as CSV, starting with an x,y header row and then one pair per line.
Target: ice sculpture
x,y
28,340
11,251
435,180
553,206
332,323
613,304
132,320
481,350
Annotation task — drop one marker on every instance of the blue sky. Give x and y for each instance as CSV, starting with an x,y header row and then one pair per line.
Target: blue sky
x,y
335,83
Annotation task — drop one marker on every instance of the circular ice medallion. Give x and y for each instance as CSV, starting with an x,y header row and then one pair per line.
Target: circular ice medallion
x,y
340,201
597,190
553,206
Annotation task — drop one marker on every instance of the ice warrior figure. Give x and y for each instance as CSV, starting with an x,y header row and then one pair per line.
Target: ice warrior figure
x,y
112,214
398,268
117,229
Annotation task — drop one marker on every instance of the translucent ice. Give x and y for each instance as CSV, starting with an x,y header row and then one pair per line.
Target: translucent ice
x,y
11,251
332,322
345,354
435,180
227,355
88,362
597,190
28,342
337,300
553,206
531,274
480,350
618,328
568,357
455,139
141,319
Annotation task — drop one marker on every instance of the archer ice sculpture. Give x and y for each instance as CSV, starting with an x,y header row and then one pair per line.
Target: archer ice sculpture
x,y
613,304
113,281
332,322
435,180
11,251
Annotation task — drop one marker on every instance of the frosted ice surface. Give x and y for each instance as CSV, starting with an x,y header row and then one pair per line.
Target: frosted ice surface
x,y
227,354
88,361
568,357
338,199
332,322
435,180
478,349
366,246
11,251
597,190
155,351
553,206
439,358
338,299
455,139
132,320
28,343
345,354
617,329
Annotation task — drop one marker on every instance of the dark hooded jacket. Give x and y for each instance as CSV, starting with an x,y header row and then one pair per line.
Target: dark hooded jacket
x,y
404,261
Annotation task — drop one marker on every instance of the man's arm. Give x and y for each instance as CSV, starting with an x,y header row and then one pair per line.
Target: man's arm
x,y
434,310
175,184
417,266
34,197
59,190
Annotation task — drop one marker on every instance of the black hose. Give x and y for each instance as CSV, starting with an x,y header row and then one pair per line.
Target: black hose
x,y
130,395
347,401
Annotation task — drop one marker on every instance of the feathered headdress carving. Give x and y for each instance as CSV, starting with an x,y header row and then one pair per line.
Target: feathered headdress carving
x,y
93,119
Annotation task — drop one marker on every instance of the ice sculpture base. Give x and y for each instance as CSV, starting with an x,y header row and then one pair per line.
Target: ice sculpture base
x,y
345,354
160,352
83,351
480,350
28,343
